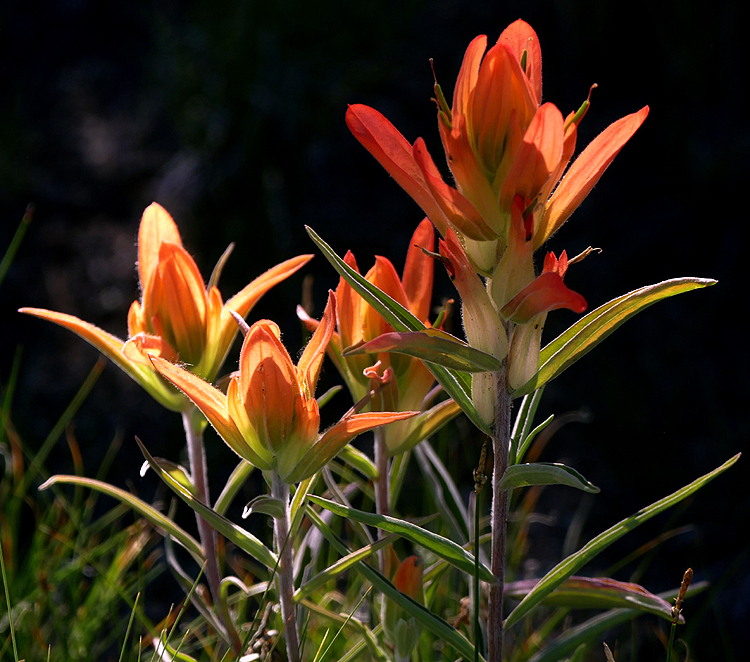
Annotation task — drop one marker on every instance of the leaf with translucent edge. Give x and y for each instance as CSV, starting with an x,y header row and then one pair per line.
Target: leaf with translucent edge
x,y
442,547
266,505
358,460
456,383
591,549
593,628
544,473
243,539
596,593
233,485
431,345
178,472
591,329
426,424
146,510
439,627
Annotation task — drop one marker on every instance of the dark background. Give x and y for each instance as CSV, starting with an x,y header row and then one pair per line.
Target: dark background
x,y
231,115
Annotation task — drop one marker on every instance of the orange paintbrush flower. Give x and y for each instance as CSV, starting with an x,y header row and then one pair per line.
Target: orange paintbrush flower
x,y
528,311
178,317
269,415
503,147
401,382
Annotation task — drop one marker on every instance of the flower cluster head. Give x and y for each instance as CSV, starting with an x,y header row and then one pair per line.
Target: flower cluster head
x,y
178,317
269,415
509,155
400,382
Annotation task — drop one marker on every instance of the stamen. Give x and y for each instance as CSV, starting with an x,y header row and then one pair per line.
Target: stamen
x,y
583,255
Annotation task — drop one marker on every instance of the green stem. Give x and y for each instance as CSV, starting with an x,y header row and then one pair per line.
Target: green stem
x,y
382,487
477,593
500,451
285,570
193,424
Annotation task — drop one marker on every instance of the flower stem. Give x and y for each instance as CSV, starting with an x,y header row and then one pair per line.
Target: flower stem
x,y
382,487
284,572
500,450
193,423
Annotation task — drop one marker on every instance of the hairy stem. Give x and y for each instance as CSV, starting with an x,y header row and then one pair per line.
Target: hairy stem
x,y
193,424
500,450
285,570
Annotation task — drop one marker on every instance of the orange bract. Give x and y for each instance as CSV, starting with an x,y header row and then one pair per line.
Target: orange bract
x,y
502,145
269,415
400,382
177,317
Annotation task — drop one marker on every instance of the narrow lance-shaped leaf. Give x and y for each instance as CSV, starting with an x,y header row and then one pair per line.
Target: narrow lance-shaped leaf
x,y
591,549
596,593
146,510
431,345
544,473
243,539
340,566
457,384
444,548
591,629
440,628
591,329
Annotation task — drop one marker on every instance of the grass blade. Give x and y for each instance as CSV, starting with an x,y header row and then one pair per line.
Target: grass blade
x,y
146,510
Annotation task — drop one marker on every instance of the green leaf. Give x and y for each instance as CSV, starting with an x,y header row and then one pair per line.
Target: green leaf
x,y
324,399
431,345
596,593
591,329
235,482
157,518
340,566
526,442
457,384
439,627
243,539
568,566
177,471
592,629
445,493
522,424
264,504
357,459
426,424
442,547
544,473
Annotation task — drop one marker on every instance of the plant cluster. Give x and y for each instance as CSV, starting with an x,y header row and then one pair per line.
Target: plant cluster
x,y
315,591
